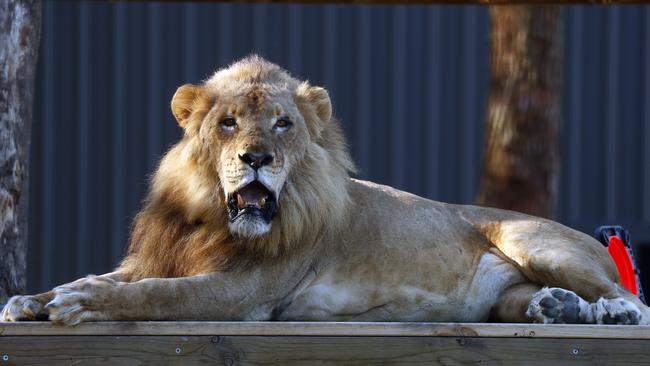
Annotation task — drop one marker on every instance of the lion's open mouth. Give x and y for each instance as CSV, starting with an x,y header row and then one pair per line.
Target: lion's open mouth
x,y
252,199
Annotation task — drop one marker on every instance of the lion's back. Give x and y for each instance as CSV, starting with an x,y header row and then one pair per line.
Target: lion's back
x,y
403,219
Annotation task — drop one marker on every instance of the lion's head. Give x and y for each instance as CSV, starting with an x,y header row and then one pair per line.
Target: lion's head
x,y
262,163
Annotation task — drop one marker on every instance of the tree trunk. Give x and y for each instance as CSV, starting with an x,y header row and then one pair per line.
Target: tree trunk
x,y
20,23
521,163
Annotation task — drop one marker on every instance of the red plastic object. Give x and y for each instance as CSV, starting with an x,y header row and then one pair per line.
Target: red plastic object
x,y
618,252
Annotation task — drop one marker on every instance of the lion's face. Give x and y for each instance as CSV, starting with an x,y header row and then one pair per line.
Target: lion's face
x,y
257,136
254,128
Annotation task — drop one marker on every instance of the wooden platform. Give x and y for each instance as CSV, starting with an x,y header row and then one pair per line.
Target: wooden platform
x,y
306,343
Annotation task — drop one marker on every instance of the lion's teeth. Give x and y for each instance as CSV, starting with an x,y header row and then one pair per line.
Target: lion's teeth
x,y
240,202
263,202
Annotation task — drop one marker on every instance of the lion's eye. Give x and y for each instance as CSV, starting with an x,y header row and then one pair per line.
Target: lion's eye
x,y
282,124
228,123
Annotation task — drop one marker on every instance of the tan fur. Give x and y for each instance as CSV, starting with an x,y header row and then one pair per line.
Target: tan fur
x,y
338,248
182,230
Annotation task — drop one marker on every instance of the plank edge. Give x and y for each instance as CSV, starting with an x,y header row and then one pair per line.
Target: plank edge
x,y
348,329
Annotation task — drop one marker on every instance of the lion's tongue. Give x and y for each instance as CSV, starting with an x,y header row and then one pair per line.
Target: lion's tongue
x,y
252,195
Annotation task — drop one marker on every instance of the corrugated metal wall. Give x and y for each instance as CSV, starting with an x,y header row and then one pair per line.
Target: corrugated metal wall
x,y
408,82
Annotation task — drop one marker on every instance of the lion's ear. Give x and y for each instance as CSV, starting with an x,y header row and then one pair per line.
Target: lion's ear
x,y
184,102
319,99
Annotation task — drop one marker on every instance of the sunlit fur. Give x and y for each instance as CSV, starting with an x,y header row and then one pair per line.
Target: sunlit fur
x,y
183,228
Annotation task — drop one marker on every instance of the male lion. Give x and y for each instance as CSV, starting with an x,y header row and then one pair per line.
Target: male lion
x,y
253,216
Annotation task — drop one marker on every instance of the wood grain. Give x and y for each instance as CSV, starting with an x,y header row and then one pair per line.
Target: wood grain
x,y
257,350
557,331
309,343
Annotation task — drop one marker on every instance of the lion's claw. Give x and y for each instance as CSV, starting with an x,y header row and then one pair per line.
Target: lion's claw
x,y
81,301
20,308
616,311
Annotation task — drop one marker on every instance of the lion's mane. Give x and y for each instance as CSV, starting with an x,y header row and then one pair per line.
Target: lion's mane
x,y
183,228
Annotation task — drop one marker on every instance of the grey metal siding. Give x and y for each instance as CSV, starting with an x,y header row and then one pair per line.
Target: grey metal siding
x,y
408,82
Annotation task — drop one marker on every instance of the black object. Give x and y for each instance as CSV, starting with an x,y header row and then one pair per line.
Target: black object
x,y
605,234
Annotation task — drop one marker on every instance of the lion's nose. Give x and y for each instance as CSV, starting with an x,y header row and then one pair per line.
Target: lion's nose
x,y
256,160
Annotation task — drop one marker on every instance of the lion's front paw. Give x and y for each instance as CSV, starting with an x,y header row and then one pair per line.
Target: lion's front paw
x,y
558,306
616,311
87,299
23,308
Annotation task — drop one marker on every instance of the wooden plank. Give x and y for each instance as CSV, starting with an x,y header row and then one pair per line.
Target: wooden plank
x,y
422,2
353,329
251,350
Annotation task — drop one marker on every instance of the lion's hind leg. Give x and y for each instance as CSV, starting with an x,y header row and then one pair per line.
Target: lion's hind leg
x,y
512,304
554,255
529,302
560,306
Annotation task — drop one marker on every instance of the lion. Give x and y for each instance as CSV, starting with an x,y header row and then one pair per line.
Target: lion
x,y
253,215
